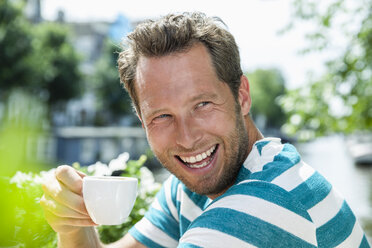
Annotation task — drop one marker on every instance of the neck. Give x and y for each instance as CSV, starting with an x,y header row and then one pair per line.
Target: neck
x,y
253,133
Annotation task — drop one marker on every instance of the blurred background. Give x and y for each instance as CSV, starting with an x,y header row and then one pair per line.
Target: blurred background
x,y
309,64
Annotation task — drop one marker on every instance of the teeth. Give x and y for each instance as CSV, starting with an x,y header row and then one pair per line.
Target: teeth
x,y
198,166
198,158
204,155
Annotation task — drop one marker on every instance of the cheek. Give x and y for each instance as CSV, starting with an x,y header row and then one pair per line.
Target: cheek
x,y
159,139
218,122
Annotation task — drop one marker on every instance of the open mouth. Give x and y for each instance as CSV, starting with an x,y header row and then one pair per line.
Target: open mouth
x,y
201,160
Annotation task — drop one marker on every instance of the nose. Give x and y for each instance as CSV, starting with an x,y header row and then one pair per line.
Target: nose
x,y
188,133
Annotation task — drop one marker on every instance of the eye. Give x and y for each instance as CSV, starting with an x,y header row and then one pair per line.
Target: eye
x,y
202,104
161,117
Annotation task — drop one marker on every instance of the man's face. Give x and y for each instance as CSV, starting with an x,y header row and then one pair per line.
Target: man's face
x,y
192,121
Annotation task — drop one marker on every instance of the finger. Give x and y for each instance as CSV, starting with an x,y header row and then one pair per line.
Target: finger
x,y
70,177
60,210
56,221
81,174
60,193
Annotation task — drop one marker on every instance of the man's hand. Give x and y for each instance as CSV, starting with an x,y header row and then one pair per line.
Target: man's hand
x,y
63,202
65,212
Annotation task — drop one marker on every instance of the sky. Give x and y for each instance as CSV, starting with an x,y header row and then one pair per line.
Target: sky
x,y
254,23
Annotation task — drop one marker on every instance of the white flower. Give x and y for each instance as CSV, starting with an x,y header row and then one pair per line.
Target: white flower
x,y
44,175
147,177
148,183
20,178
120,163
99,169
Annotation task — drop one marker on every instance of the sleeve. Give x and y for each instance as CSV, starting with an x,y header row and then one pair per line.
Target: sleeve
x,y
255,214
160,225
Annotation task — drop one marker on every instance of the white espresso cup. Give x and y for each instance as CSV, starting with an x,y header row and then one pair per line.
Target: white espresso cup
x,y
109,200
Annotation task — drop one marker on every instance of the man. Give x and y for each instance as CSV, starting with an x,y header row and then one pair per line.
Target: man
x,y
230,186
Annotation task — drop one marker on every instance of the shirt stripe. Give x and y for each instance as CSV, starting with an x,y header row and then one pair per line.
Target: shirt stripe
x,y
156,205
248,228
294,176
146,240
276,201
164,222
255,163
168,197
355,237
197,236
312,191
336,230
327,208
271,213
149,230
189,209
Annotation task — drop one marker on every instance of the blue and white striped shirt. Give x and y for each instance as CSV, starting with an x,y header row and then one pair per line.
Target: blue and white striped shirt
x,y
276,201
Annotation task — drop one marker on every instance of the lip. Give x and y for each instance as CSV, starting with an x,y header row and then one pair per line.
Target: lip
x,y
204,170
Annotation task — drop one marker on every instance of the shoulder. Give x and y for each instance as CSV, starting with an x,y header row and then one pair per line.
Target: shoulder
x,y
174,192
268,159
253,213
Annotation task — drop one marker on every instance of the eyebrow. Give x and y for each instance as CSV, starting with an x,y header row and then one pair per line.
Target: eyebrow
x,y
204,96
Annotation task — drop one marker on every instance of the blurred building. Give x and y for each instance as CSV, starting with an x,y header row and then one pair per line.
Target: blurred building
x,y
72,138
33,11
88,39
87,145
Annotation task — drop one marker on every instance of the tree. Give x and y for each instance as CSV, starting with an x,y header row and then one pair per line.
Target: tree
x,y
340,100
113,98
38,58
266,86
58,63
15,47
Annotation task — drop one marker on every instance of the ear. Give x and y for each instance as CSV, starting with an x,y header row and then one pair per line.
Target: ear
x,y
244,95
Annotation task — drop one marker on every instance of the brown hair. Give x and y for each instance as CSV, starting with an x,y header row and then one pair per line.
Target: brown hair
x,y
177,33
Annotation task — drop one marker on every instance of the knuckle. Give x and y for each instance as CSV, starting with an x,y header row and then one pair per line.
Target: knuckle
x,y
62,170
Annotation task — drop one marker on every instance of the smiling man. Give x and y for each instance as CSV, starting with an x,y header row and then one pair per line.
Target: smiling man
x,y
193,123
230,186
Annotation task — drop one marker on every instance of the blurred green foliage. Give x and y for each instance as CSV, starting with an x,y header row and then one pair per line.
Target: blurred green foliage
x,y
113,99
22,121
340,100
266,86
21,175
38,58
30,227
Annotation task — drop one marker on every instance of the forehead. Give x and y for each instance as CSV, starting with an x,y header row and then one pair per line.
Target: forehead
x,y
194,62
174,78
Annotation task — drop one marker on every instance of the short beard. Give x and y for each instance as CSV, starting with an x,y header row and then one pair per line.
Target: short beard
x,y
239,142
238,146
